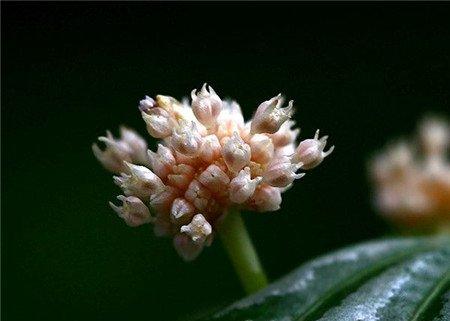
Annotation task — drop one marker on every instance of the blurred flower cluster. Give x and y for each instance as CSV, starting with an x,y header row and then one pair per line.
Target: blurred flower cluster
x,y
208,160
412,178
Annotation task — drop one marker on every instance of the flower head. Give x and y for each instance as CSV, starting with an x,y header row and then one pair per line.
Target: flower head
x,y
412,179
208,160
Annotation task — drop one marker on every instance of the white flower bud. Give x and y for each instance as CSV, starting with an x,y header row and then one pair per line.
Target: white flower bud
x,y
162,161
310,151
199,229
266,199
242,186
182,211
186,138
236,153
214,179
198,195
285,135
270,116
206,105
281,172
210,149
159,122
181,176
133,211
141,182
186,248
130,147
262,148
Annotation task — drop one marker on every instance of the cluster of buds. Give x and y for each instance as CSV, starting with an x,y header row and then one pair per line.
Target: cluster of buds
x,y
412,179
207,161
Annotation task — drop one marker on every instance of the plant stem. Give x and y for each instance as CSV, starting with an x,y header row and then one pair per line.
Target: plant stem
x,y
241,252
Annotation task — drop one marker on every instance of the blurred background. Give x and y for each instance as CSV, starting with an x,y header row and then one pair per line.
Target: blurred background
x,y
362,73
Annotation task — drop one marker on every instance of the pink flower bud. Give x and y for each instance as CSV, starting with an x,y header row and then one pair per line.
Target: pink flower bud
x,y
242,186
162,161
262,148
182,211
214,179
266,199
141,182
181,176
206,105
198,195
210,149
310,151
162,200
129,147
281,172
133,211
186,248
159,122
285,135
236,153
186,138
199,229
270,116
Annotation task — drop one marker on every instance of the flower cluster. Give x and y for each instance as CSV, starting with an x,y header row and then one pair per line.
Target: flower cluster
x,y
412,179
208,160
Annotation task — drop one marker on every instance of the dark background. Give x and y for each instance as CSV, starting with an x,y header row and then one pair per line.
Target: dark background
x,y
363,73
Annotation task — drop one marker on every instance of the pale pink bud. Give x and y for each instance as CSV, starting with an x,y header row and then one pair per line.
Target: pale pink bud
x,y
136,144
186,138
159,122
281,173
206,105
214,179
285,135
236,153
198,195
133,211
266,199
310,151
182,211
146,103
186,248
242,186
270,116
262,148
141,182
162,161
199,229
181,176
162,200
210,149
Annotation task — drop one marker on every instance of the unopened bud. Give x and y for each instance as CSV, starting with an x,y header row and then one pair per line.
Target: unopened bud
x,y
162,161
236,153
242,186
186,138
182,211
270,116
133,211
199,229
310,152
206,105
262,148
266,199
281,173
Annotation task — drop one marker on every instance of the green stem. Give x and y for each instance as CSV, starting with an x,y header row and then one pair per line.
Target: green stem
x,y
241,252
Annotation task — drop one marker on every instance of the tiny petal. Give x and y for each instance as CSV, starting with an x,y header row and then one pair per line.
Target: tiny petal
x,y
141,182
236,153
242,186
206,105
182,211
133,211
262,148
146,104
199,229
186,138
270,116
310,152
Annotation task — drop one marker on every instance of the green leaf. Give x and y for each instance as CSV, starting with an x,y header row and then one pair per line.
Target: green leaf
x,y
403,279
